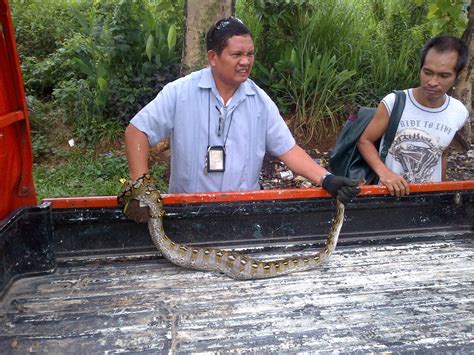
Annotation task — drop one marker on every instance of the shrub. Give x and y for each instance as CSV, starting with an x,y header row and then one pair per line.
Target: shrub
x,y
100,71
41,27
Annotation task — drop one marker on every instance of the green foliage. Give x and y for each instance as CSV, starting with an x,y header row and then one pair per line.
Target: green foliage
x,y
82,173
399,19
38,40
387,72
40,126
446,16
112,60
88,67
33,20
390,48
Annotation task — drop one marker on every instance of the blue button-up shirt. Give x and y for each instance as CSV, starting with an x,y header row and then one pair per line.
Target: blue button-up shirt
x,y
188,109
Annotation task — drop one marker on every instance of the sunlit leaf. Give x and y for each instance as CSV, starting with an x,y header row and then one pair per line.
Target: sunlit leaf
x,y
172,36
293,56
102,83
149,46
149,20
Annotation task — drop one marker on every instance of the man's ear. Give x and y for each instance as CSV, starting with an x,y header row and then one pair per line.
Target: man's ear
x,y
211,57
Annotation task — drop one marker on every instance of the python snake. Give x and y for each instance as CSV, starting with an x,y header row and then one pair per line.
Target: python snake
x,y
231,263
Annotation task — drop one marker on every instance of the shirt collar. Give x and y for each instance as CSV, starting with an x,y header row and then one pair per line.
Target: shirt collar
x,y
207,82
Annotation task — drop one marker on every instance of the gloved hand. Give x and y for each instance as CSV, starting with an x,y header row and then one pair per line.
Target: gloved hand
x,y
341,187
129,198
136,213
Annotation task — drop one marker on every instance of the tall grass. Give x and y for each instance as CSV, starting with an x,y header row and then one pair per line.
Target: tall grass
x,y
317,88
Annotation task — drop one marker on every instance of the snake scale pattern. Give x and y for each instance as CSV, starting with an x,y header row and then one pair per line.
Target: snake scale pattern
x,y
231,263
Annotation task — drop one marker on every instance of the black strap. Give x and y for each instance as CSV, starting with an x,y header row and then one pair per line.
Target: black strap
x,y
209,119
397,112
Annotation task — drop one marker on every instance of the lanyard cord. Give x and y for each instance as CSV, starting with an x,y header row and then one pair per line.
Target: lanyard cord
x,y
209,119
209,122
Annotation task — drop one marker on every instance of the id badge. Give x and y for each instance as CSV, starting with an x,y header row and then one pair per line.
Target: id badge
x,y
215,159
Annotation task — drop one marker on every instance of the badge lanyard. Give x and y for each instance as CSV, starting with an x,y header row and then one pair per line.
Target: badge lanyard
x,y
215,155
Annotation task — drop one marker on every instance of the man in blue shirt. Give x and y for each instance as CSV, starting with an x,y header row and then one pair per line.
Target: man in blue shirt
x,y
221,124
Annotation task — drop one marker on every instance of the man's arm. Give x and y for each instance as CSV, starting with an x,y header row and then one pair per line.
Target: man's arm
x,y
136,146
298,161
395,183
301,163
136,143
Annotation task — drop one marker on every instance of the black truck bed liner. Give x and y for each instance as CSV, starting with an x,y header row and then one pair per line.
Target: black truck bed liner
x,y
369,298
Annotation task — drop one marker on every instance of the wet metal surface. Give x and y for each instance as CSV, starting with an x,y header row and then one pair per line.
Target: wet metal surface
x,y
368,298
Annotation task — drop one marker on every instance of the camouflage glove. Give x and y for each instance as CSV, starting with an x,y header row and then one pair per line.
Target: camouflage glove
x,y
129,198
342,188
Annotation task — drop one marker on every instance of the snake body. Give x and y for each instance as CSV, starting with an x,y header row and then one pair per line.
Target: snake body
x,y
231,263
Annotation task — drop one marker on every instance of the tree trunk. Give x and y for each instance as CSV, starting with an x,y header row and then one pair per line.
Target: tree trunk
x,y
463,89
200,15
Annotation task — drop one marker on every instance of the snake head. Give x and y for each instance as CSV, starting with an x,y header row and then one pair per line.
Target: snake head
x,y
144,190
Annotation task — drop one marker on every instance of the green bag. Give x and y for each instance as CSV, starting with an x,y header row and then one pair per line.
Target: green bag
x,y
345,159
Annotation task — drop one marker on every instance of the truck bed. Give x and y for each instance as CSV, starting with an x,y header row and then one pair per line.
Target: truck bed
x,y
394,297
81,278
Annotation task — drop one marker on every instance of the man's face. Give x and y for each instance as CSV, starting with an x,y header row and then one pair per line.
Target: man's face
x,y
233,66
438,75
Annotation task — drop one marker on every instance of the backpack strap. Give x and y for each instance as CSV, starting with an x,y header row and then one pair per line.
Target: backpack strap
x,y
397,112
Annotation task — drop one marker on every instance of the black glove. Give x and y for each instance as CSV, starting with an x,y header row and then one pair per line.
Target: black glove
x,y
342,188
136,213
128,198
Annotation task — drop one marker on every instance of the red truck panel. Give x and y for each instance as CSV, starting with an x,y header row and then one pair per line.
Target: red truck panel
x,y
16,187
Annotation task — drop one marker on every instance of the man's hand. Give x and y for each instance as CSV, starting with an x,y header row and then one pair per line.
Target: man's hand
x,y
129,198
136,213
396,184
341,187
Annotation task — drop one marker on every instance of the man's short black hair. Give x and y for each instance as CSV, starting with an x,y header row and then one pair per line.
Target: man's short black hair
x,y
444,44
222,30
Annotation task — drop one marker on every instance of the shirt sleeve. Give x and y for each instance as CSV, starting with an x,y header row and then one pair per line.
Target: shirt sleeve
x,y
389,102
279,138
156,119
